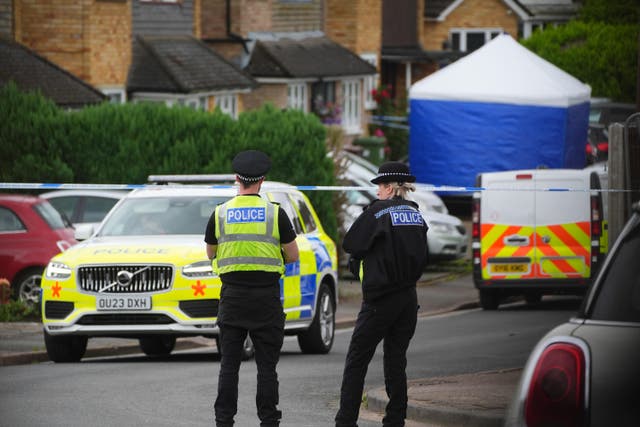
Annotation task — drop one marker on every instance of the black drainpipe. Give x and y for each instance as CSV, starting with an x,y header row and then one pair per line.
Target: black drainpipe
x,y
230,35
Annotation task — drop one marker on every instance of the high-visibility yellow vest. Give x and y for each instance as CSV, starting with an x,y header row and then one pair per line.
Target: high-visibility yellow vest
x,y
248,236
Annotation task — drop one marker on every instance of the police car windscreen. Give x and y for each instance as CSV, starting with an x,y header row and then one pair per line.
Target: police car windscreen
x,y
160,216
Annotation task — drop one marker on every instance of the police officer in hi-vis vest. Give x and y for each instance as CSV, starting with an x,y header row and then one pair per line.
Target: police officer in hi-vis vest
x,y
388,247
249,236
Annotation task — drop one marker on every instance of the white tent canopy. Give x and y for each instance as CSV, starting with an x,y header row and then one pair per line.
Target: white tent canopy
x,y
503,71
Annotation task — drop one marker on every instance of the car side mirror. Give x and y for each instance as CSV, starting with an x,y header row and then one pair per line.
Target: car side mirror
x,y
83,232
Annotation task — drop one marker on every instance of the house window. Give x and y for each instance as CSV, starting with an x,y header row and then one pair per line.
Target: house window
x,y
324,105
297,96
468,40
228,104
370,82
351,98
195,103
115,96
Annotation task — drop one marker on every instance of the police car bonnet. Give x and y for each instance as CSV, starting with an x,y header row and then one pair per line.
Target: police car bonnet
x,y
393,172
251,165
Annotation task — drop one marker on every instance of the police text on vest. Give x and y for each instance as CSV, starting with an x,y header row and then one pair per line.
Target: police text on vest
x,y
239,215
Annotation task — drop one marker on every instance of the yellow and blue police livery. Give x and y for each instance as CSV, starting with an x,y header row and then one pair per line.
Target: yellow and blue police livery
x,y
145,274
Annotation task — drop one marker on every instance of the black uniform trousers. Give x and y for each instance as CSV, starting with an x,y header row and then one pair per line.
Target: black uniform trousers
x,y
391,318
265,326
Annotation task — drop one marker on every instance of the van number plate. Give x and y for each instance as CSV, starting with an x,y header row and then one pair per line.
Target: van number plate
x,y
508,268
122,303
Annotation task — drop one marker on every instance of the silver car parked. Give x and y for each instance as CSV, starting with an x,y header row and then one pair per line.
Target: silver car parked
x,y
447,236
585,372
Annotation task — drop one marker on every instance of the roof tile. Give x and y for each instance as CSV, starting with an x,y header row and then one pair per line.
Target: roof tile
x,y
313,57
31,71
182,64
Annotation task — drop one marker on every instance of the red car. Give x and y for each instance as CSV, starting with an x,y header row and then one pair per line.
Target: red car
x,y
31,233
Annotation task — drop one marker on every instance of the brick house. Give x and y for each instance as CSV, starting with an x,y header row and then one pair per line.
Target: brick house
x,y
130,49
306,55
448,29
193,52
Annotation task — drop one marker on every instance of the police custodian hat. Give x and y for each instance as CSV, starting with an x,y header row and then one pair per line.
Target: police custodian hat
x,y
393,172
251,165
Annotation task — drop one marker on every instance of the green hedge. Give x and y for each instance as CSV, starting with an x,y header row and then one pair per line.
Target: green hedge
x,y
120,144
603,55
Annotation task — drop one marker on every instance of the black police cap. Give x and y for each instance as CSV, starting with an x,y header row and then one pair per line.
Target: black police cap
x,y
251,165
393,172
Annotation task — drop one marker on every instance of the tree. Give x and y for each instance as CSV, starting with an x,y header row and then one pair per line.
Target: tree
x,y
599,48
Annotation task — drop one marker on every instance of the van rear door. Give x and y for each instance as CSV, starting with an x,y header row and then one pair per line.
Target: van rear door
x,y
507,218
563,224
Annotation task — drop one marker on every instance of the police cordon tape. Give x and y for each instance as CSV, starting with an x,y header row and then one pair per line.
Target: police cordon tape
x,y
266,186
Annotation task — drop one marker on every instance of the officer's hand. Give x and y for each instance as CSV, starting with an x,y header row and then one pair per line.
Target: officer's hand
x,y
354,267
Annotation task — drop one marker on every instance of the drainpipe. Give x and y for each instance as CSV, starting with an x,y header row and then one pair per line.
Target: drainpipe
x,y
231,36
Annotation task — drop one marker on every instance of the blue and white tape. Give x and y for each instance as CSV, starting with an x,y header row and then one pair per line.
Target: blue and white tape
x,y
423,187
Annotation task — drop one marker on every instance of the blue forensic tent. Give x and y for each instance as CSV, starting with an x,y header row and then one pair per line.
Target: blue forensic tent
x,y
501,107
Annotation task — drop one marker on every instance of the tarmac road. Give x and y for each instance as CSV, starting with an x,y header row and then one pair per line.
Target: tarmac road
x,y
475,399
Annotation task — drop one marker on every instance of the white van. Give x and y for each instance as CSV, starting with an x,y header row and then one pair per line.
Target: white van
x,y
535,232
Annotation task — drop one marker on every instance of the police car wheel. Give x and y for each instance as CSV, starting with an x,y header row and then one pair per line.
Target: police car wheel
x,y
533,298
318,339
161,345
65,349
489,300
248,350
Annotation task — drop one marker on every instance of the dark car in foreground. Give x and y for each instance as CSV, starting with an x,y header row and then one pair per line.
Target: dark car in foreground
x,y
31,233
586,372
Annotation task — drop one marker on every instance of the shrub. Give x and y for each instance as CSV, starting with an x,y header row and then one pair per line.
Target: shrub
x,y
126,143
17,311
599,54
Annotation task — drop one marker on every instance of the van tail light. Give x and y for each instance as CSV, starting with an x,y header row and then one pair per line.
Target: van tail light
x,y
475,219
596,229
596,217
556,393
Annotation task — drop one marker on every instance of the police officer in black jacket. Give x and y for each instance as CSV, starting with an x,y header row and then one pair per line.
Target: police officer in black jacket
x,y
388,247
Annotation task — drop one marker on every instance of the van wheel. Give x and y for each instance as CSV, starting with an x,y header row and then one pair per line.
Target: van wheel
x,y
489,300
65,348
533,298
248,350
318,339
161,345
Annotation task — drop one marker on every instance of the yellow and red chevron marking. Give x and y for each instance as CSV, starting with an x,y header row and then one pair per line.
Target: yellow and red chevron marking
x,y
569,246
492,245
571,243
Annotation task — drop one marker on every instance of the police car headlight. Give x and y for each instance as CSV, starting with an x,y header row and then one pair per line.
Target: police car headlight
x,y
440,227
198,269
57,271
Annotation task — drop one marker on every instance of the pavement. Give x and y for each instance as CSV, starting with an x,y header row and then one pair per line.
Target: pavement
x,y
478,399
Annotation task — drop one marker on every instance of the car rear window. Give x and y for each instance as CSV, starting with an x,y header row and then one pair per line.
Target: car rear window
x,y
50,215
619,292
96,208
